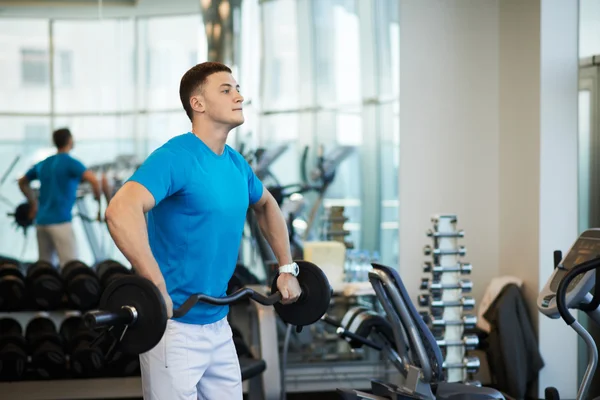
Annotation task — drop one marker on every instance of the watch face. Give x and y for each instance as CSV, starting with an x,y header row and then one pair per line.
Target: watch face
x,y
296,269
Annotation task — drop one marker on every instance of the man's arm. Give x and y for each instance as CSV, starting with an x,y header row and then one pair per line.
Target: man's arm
x,y
27,191
274,228
90,176
127,226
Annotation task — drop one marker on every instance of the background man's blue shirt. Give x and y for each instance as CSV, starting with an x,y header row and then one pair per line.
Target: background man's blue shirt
x,y
59,177
195,228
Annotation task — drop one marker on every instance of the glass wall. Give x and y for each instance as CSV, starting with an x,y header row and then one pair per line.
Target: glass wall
x,y
316,73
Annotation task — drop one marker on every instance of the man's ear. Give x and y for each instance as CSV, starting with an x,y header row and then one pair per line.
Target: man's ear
x,y
197,103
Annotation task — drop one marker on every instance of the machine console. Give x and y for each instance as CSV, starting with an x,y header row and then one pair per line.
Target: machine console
x,y
586,247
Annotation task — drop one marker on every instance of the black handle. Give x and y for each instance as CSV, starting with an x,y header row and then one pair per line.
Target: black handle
x,y
98,319
561,293
219,301
557,257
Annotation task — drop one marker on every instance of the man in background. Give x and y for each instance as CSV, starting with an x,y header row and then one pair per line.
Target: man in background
x,y
59,176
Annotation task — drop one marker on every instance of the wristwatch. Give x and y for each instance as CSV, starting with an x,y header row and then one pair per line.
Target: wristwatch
x,y
290,269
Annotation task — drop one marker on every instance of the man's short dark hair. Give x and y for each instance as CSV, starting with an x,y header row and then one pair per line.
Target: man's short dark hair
x,y
61,137
196,77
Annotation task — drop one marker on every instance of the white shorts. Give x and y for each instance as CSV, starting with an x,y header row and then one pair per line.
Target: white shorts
x,y
56,240
192,362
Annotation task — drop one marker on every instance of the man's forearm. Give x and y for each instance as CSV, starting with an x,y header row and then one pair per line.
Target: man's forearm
x,y
127,226
274,228
27,192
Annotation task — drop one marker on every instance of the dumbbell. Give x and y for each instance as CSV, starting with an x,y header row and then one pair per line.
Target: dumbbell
x,y
460,251
437,270
45,285
81,285
109,270
436,234
122,364
469,341
85,361
426,317
471,364
437,218
13,350
46,348
12,286
467,321
467,303
465,285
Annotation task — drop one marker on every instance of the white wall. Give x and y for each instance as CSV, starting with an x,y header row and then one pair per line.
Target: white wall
x,y
559,177
449,130
488,130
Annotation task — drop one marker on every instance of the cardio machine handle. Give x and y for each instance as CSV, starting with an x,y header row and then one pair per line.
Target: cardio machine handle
x,y
561,293
218,301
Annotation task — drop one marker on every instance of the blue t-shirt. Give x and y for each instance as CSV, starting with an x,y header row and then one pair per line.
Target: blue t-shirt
x,y
195,228
59,177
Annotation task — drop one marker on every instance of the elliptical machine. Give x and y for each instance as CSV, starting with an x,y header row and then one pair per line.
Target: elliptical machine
x,y
569,288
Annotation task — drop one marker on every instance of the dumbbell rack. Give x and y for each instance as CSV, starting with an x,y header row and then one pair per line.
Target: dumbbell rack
x,y
445,288
41,326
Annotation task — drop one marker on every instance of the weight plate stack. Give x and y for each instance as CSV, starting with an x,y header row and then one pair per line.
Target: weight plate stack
x,y
13,290
46,348
45,286
84,361
445,297
81,285
13,350
109,270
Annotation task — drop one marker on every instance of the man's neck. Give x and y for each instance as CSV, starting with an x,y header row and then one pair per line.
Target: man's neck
x,y
60,151
214,137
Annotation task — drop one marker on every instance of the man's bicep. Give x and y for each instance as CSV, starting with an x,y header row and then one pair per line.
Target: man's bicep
x,y
262,200
136,194
256,189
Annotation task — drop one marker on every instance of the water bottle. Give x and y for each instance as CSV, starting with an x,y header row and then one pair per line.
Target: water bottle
x,y
375,257
349,266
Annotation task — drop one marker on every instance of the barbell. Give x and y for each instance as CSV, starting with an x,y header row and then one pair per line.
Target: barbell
x,y
135,306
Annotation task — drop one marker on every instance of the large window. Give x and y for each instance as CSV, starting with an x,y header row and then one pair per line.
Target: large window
x,y
316,74
113,82
331,78
24,67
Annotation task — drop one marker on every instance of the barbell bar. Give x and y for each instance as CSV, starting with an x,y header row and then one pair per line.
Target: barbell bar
x,y
136,307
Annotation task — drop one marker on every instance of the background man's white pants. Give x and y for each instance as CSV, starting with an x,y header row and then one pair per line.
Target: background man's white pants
x,y
192,362
56,240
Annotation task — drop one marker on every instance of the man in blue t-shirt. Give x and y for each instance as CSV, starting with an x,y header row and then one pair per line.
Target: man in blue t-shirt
x,y
196,191
59,176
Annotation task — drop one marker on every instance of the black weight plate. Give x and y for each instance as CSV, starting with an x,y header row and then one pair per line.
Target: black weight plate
x,y
47,291
10,326
84,291
72,268
40,267
12,293
13,360
144,296
10,268
314,300
109,269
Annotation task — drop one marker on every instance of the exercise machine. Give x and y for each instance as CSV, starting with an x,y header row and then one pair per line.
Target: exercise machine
x,y
569,287
411,348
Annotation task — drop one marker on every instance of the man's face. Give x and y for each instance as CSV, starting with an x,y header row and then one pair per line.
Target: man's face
x,y
221,101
